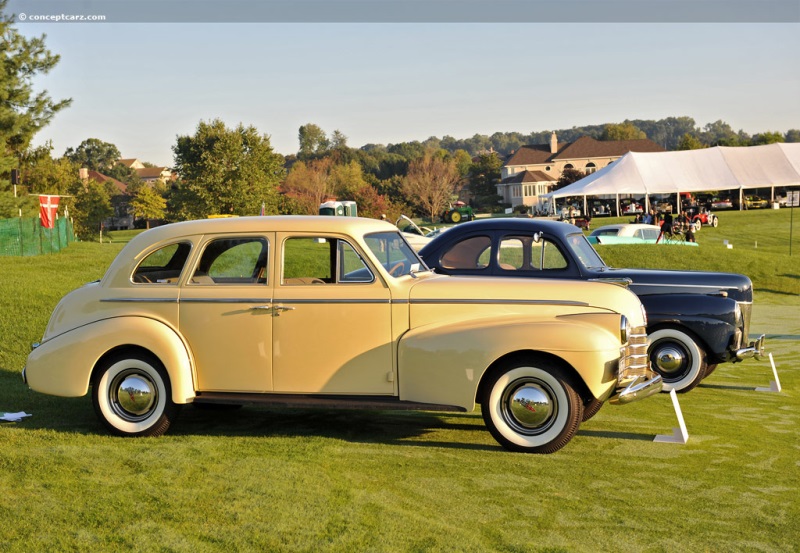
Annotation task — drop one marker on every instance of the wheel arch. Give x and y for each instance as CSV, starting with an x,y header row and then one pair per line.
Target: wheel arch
x,y
533,357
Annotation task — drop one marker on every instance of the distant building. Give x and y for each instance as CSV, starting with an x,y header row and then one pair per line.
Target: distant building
x,y
534,170
148,174
122,219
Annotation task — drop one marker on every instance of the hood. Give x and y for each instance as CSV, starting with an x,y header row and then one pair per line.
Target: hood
x,y
594,296
651,281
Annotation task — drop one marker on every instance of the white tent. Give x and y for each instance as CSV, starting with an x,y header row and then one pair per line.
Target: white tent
x,y
719,168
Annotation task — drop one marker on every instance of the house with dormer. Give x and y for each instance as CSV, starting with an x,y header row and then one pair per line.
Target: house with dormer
x,y
534,170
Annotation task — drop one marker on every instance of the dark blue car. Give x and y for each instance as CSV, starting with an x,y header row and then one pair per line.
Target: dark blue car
x,y
695,319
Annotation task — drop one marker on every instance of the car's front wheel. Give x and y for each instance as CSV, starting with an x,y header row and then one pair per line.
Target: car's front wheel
x,y
714,222
531,407
132,396
678,358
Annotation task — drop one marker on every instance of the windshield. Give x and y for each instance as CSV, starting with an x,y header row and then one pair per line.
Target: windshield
x,y
584,251
394,253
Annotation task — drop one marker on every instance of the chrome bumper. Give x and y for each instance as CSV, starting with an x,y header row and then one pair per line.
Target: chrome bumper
x,y
755,349
637,388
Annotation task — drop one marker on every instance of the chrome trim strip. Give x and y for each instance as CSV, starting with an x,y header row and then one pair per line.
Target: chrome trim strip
x,y
140,300
225,300
497,302
711,287
317,301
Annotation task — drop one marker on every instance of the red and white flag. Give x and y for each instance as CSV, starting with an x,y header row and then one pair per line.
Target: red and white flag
x,y
48,206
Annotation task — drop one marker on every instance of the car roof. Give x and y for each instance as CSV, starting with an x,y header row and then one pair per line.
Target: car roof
x,y
503,224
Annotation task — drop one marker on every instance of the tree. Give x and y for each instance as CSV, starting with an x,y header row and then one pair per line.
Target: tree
x,y
767,138
690,142
568,176
23,112
484,175
622,131
148,204
308,183
92,207
312,141
338,140
792,135
94,154
224,171
430,183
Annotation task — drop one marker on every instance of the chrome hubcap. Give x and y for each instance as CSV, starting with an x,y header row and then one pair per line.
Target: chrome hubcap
x,y
670,360
528,406
133,395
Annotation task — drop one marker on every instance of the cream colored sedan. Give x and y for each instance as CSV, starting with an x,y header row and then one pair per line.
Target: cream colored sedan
x,y
336,312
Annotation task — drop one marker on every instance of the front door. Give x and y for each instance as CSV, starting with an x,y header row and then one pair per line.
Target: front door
x,y
332,327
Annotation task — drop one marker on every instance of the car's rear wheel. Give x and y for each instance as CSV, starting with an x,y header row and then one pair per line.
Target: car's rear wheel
x,y
678,358
531,407
714,222
132,396
698,224
455,217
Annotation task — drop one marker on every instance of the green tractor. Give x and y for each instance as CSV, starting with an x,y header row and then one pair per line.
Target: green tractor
x,y
458,212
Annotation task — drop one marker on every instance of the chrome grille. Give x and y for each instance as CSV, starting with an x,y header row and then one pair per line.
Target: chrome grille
x,y
747,310
634,361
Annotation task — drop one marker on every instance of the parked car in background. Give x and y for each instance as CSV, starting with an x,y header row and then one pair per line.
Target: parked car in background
x,y
701,216
414,235
721,203
755,202
695,320
336,312
632,233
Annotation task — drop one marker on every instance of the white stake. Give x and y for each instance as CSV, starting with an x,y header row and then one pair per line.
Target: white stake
x,y
679,435
775,385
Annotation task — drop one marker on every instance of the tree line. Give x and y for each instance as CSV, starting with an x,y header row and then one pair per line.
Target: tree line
x,y
225,170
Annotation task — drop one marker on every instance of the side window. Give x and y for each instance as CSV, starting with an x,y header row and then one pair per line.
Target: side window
x,y
308,260
512,255
522,253
233,261
552,258
319,260
164,265
470,253
351,267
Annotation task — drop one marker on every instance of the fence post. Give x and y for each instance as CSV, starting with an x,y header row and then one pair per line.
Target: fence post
x,y
21,246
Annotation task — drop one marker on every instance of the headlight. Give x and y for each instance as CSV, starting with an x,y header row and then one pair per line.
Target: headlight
x,y
737,313
624,329
644,316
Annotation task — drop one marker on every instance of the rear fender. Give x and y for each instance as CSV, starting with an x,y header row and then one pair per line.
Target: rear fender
x,y
63,365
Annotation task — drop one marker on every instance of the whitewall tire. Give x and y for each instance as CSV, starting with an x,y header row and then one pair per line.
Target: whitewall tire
x,y
677,357
132,396
531,408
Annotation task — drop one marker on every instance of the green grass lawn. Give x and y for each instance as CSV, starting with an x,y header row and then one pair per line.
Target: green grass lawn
x,y
302,480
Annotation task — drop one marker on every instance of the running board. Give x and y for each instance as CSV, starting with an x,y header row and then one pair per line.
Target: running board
x,y
377,403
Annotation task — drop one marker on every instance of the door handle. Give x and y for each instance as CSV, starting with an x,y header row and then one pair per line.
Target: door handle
x,y
267,307
278,309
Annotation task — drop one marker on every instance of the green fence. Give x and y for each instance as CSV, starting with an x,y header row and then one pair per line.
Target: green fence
x,y
26,236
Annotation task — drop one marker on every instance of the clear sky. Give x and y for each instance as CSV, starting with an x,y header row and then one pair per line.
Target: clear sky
x,y
140,85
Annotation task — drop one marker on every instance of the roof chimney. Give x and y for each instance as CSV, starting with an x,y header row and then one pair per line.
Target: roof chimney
x,y
553,143
83,173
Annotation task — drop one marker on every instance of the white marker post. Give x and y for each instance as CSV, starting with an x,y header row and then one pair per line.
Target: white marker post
x,y
775,385
679,435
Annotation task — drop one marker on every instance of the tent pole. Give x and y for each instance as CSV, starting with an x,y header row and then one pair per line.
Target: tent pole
x,y
618,213
585,212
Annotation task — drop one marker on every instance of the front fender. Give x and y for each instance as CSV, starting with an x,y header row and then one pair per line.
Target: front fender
x,y
63,365
711,318
445,364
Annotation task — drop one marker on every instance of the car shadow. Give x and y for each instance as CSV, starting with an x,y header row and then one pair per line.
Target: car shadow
x,y
617,435
726,387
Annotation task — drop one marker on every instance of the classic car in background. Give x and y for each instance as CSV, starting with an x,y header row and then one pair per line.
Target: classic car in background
x,y
414,235
755,202
695,320
701,216
625,233
721,203
336,312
